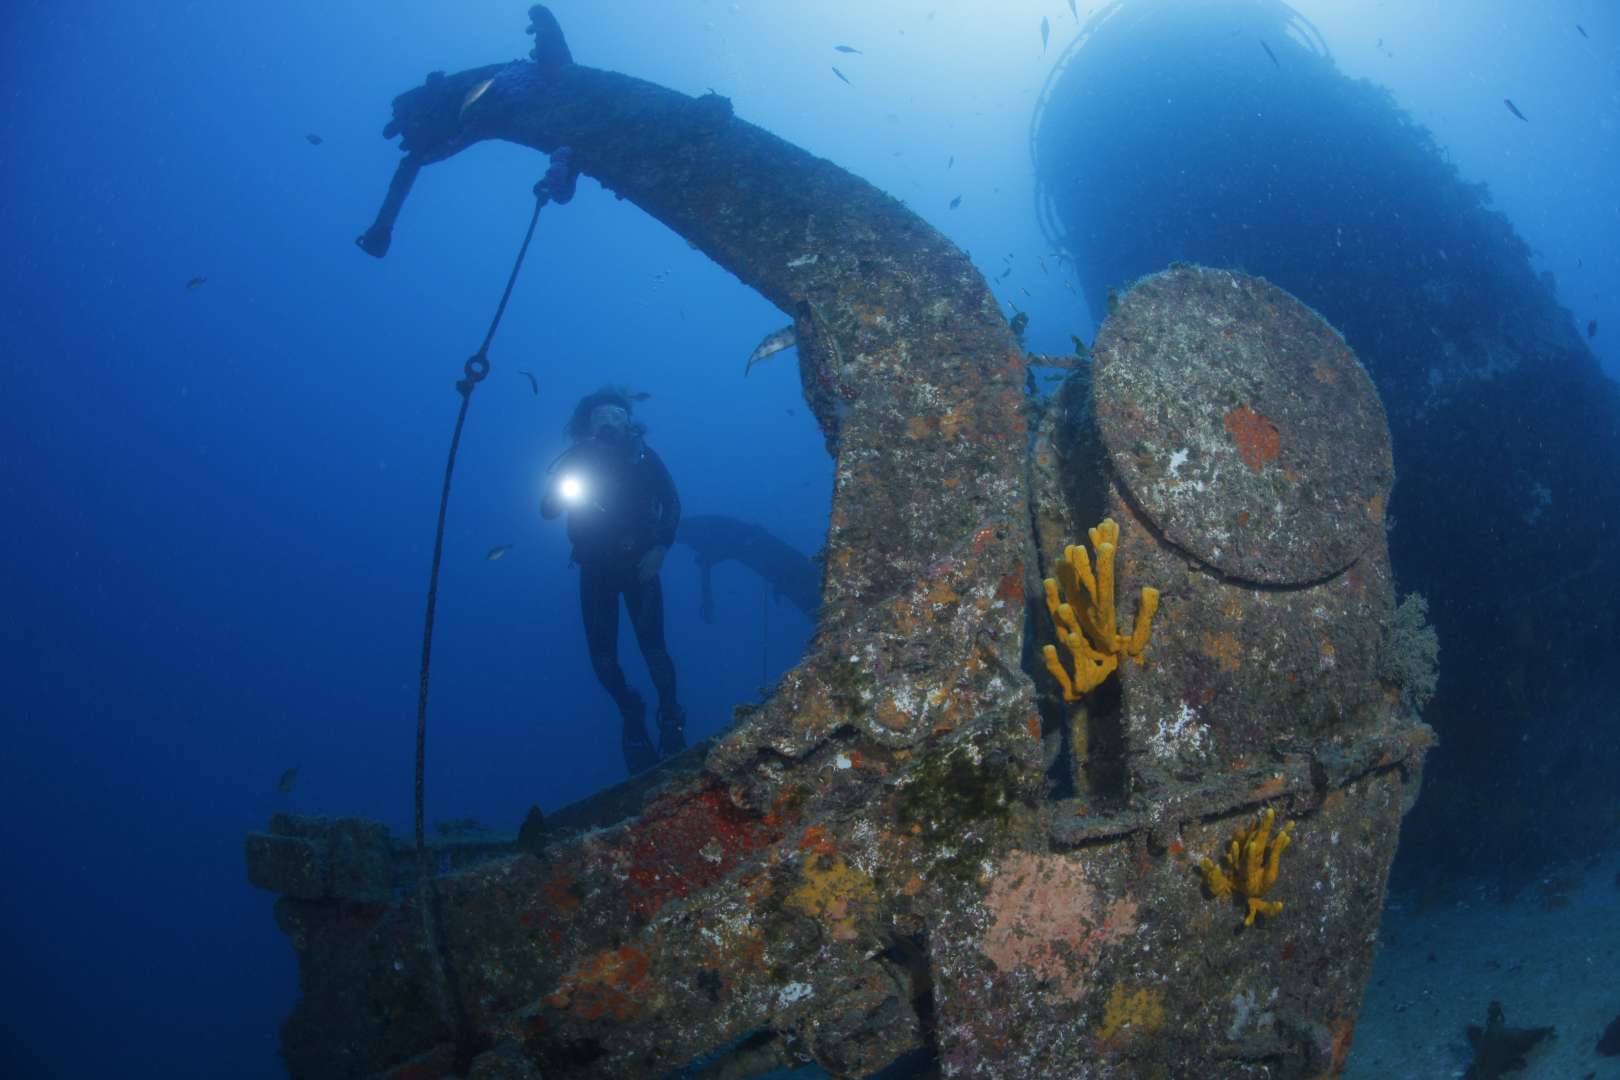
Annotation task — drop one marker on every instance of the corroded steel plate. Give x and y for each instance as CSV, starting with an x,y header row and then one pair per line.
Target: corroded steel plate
x,y
1242,425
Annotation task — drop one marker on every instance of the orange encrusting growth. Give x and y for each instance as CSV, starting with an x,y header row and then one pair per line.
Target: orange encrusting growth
x,y
1257,440
1084,616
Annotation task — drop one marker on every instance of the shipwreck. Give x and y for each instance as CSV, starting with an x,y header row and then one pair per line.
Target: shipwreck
x,y
928,853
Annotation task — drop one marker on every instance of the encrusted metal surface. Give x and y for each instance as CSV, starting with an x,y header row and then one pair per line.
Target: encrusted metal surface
x,y
871,870
1243,426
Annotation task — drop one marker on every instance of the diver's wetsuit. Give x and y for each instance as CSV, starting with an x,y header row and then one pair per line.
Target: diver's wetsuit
x,y
629,507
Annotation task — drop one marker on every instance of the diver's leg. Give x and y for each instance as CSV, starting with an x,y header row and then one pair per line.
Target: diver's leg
x,y
599,605
645,601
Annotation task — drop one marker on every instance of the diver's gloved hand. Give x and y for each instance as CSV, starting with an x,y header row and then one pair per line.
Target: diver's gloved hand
x,y
558,183
647,568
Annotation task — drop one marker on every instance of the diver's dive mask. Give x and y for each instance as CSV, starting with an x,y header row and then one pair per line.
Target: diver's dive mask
x,y
610,423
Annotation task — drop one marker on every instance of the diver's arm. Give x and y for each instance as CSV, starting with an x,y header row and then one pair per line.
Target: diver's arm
x,y
551,503
669,501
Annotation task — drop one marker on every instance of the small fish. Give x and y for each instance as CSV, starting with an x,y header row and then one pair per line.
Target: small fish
x,y
314,140
1514,109
774,342
497,551
1591,330
288,779
1046,32
1073,12
639,395
950,161
534,384
956,202
1271,54
1004,273
1042,262
840,75
847,49
194,282
1582,29
474,94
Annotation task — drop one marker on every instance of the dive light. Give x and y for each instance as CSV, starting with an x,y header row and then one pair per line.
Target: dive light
x,y
571,488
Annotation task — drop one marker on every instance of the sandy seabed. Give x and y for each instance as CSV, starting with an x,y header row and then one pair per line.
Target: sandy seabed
x,y
1550,955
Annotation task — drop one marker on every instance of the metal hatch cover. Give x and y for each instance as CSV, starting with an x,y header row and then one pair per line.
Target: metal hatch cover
x,y
1242,425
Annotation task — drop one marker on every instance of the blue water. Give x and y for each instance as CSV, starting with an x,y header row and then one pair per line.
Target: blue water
x,y
219,501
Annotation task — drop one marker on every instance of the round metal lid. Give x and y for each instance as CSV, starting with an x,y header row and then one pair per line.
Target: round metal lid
x,y
1242,425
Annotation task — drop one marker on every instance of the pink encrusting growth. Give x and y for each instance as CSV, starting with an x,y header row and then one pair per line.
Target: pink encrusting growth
x,y
1048,919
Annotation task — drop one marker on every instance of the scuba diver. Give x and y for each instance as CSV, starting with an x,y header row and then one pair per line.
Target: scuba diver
x,y
622,514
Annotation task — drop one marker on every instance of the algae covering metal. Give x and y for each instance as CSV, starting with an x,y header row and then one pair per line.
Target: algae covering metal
x,y
1243,426
881,867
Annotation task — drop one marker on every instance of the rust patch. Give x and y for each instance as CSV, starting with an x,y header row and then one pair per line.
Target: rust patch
x,y
1344,1033
949,424
1224,649
680,846
1265,789
891,716
1256,437
817,839
607,984
1011,587
562,893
